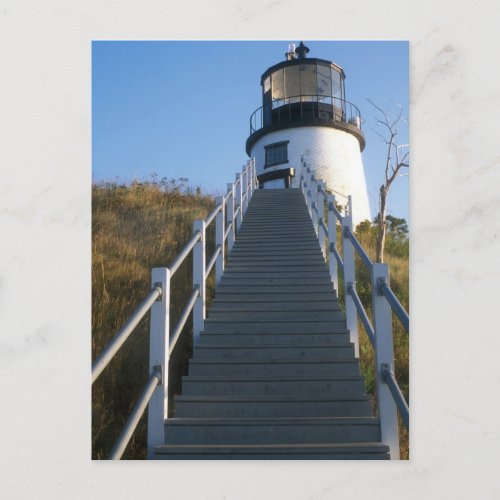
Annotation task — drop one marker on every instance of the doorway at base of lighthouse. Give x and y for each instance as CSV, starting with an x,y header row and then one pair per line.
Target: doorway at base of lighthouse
x,y
278,179
275,184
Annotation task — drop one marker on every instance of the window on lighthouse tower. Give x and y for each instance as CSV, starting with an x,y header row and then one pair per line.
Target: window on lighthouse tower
x,y
276,153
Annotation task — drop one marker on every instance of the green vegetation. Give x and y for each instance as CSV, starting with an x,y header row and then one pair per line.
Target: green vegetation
x,y
396,255
145,225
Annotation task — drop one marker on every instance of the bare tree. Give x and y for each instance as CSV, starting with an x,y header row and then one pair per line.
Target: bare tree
x,y
397,158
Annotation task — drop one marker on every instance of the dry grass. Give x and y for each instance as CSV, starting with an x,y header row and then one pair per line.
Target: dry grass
x,y
134,229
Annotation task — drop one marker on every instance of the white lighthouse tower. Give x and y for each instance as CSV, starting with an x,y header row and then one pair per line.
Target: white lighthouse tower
x,y
305,121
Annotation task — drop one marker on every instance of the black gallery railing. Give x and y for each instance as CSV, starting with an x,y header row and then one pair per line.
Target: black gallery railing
x,y
305,107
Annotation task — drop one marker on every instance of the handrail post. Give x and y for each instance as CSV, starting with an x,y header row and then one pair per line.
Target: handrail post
x,y
254,175
321,217
247,186
349,279
314,203
309,191
158,356
220,230
239,195
244,182
250,180
199,265
332,243
384,359
230,217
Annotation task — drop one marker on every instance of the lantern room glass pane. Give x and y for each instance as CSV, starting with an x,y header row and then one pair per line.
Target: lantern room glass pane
x,y
324,81
308,83
267,84
277,83
336,84
292,81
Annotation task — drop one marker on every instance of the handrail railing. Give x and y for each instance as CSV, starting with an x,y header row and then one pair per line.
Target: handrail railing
x,y
228,214
395,305
399,399
359,248
384,301
184,253
123,334
362,313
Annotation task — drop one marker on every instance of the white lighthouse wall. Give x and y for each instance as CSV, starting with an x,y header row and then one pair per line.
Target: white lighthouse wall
x,y
333,155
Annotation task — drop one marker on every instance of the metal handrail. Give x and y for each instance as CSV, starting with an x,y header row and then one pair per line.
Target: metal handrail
x,y
212,261
323,225
227,230
337,256
361,251
396,306
362,313
211,216
123,334
135,416
183,318
342,111
333,208
399,399
184,252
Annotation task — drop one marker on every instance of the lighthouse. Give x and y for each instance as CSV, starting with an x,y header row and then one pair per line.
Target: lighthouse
x,y
306,121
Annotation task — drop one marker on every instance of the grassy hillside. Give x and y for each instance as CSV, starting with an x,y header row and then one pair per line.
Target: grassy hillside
x,y
134,229
145,225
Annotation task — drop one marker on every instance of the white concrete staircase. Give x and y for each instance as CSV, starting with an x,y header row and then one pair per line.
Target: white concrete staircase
x,y
274,375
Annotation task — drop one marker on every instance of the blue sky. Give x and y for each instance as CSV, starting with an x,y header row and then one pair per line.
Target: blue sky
x,y
182,109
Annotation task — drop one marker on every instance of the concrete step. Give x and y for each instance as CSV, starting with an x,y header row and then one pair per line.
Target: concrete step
x,y
277,316
281,240
274,452
234,272
230,386
248,339
220,305
253,279
271,296
290,261
272,430
257,243
276,249
269,270
284,289
270,352
259,251
325,451
274,327
266,229
302,224
335,405
282,367
289,236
